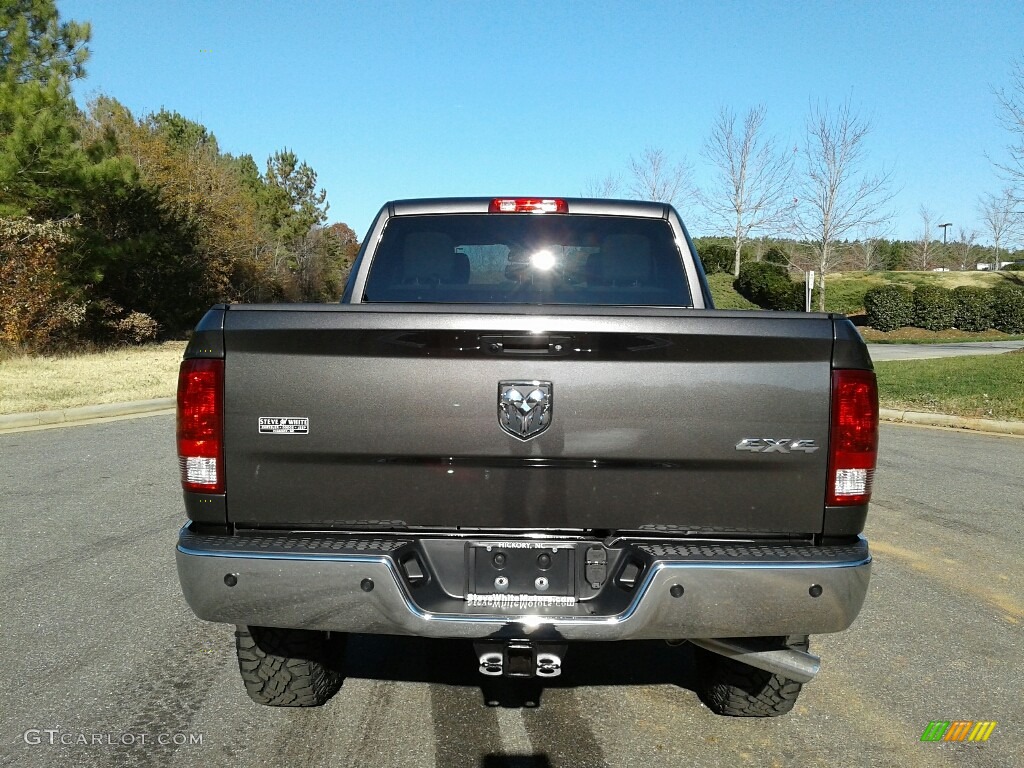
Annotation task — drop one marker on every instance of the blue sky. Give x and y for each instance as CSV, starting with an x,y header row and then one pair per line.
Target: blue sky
x,y
406,99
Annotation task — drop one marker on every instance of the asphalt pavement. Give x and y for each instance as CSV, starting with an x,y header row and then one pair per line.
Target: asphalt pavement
x,y
108,667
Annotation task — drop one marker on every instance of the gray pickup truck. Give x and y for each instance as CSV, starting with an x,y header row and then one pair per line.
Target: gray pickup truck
x,y
525,425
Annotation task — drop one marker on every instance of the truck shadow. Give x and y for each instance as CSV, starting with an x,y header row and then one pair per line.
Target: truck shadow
x,y
453,663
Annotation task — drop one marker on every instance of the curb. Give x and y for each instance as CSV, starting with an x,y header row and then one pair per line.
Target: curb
x,y
85,413
958,422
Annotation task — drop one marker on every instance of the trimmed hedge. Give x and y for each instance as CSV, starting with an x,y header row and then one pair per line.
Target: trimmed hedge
x,y
973,308
934,308
889,307
716,258
768,285
1008,309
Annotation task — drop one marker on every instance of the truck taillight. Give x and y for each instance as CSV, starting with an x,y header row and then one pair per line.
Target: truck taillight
x,y
528,205
201,425
853,441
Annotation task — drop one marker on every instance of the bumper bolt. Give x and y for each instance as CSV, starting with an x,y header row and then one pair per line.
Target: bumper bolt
x,y
231,579
676,590
366,585
815,590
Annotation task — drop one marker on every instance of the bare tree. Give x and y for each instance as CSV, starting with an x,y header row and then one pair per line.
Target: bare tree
x,y
1011,115
751,193
607,187
963,248
997,212
835,196
866,250
867,253
924,246
656,177
799,255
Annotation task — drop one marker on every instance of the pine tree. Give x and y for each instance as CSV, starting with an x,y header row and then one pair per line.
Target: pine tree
x,y
295,205
40,56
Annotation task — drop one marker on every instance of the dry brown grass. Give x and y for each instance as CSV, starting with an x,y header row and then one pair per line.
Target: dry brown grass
x,y
123,375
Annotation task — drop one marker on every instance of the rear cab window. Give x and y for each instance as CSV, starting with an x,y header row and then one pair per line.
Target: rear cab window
x,y
473,258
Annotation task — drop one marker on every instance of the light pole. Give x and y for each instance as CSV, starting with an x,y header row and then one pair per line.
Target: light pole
x,y
944,227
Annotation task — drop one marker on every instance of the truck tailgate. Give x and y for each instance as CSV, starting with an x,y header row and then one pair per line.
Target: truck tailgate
x,y
348,416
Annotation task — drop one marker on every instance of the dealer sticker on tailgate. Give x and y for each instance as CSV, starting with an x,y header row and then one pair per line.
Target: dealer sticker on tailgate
x,y
284,425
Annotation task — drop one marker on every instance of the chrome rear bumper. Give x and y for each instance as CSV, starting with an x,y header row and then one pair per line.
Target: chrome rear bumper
x,y
357,583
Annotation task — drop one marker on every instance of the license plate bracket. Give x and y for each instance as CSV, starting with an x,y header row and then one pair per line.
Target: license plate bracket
x,y
521,568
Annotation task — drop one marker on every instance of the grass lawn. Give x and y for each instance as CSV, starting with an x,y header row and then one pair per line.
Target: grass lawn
x,y
725,296
116,376
986,386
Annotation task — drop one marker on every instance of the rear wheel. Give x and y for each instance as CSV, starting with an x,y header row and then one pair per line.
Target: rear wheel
x,y
732,688
289,667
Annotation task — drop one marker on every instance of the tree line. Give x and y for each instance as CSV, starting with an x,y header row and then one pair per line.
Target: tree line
x,y
117,227
870,254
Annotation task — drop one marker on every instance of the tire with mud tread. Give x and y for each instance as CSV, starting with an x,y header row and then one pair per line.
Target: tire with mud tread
x,y
732,688
289,667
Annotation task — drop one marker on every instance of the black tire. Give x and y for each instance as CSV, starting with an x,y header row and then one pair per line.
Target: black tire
x,y
732,688
289,667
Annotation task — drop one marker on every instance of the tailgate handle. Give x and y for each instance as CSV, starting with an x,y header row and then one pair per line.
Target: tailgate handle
x,y
527,344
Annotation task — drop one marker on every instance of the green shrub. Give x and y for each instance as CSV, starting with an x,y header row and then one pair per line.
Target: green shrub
x,y
793,301
1017,266
725,294
889,307
775,255
973,308
934,308
799,292
717,258
768,285
1008,309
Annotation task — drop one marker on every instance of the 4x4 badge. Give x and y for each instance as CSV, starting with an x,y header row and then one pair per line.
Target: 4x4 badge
x,y
524,407
772,445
